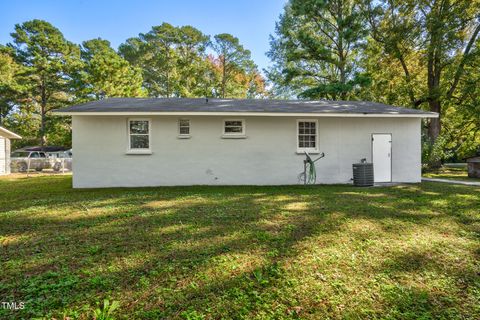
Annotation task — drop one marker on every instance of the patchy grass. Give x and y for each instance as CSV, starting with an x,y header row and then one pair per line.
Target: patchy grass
x,y
322,252
451,174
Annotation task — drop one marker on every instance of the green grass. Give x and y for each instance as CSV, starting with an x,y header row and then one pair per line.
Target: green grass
x,y
320,252
450,173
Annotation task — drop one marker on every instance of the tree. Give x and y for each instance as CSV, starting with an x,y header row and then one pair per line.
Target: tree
x,y
315,49
443,32
106,74
172,59
193,66
386,76
244,82
48,61
9,69
153,53
174,63
233,58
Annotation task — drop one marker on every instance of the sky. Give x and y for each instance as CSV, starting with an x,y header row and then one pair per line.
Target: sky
x,y
252,21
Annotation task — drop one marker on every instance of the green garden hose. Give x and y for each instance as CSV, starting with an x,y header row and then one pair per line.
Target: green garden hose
x,y
312,173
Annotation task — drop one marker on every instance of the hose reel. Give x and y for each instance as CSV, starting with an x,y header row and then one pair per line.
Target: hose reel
x,y
309,174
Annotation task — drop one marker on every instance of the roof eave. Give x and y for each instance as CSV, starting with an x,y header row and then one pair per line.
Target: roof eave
x,y
263,114
9,134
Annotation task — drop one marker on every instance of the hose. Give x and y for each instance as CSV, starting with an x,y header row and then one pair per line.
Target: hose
x,y
312,173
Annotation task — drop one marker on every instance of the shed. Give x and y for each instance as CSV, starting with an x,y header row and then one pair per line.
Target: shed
x,y
473,166
122,142
5,137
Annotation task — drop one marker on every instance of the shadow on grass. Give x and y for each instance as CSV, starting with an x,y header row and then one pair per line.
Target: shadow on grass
x,y
180,251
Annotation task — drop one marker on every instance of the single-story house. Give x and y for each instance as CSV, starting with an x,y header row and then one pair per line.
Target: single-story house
x,y
122,142
5,136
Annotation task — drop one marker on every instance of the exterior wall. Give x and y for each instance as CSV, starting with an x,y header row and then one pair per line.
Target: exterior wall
x,y
3,159
5,155
266,157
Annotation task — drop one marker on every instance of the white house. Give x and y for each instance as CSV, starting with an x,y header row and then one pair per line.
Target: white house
x,y
5,136
161,142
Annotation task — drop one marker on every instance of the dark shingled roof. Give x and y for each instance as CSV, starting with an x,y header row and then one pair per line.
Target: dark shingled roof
x,y
188,105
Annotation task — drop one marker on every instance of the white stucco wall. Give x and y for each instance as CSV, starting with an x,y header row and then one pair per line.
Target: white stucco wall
x,y
266,157
5,155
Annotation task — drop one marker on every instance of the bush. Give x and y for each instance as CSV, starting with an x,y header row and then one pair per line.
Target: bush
x,y
434,154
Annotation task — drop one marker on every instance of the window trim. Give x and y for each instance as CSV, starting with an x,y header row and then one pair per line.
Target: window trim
x,y
183,135
234,134
139,150
309,150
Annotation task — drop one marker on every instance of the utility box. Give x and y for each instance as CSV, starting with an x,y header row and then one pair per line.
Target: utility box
x,y
363,174
473,166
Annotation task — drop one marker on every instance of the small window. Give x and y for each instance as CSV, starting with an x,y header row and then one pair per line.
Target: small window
x,y
307,138
184,128
234,127
139,135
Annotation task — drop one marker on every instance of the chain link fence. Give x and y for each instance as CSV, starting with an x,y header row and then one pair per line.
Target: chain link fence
x,y
52,165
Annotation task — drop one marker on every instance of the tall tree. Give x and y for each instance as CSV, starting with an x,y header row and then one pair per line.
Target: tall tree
x,y
232,59
153,52
9,70
443,31
106,74
242,82
49,61
315,48
172,59
192,63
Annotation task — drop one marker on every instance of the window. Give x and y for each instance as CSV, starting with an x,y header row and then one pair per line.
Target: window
x,y
139,135
307,138
20,154
233,127
184,128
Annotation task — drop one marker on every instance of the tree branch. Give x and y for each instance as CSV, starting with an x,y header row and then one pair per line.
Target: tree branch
x,y
461,66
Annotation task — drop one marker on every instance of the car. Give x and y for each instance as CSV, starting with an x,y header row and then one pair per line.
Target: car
x,y
22,161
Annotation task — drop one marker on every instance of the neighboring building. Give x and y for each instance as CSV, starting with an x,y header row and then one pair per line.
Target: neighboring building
x,y
152,142
5,136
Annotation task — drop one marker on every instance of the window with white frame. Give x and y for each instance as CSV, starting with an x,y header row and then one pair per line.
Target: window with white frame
x,y
139,135
307,135
184,127
234,127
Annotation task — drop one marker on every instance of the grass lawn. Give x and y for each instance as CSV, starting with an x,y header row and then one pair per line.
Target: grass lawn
x,y
322,252
450,173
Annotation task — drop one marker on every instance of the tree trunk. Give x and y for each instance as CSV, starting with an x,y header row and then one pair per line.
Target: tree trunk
x,y
167,75
224,78
434,127
343,80
434,124
42,128
43,111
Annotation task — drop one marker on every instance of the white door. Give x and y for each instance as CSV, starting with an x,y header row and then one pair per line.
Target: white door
x,y
2,156
382,157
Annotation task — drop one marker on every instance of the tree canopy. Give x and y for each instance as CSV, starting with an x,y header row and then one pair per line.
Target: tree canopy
x,y
315,48
106,74
412,53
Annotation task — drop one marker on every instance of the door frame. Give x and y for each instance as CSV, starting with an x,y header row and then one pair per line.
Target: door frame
x,y
391,152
